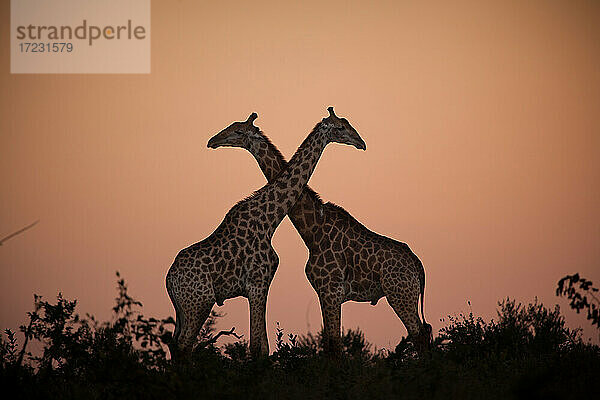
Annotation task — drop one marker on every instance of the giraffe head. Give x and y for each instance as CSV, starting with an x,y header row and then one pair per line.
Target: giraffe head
x,y
339,130
238,134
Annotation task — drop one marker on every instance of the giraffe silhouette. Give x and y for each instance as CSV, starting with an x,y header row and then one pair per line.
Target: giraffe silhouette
x,y
346,260
237,259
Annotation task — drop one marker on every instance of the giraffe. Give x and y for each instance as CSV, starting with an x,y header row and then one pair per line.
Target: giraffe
x,y
237,259
347,261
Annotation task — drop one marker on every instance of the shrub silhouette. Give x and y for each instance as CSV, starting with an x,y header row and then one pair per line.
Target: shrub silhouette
x,y
577,289
518,331
354,343
526,351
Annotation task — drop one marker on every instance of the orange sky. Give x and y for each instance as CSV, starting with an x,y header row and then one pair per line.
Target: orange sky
x,y
482,127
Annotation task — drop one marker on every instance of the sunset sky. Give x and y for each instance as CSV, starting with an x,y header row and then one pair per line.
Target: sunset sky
x,y
482,124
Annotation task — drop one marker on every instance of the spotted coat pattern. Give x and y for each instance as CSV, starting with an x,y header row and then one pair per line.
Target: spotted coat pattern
x,y
237,259
346,260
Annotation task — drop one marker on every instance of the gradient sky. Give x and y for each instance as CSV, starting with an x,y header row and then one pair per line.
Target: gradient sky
x,y
482,126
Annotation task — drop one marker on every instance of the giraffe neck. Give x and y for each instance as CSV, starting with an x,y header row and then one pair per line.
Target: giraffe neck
x,y
306,211
280,196
269,158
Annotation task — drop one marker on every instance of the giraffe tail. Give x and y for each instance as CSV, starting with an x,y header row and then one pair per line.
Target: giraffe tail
x,y
178,319
178,316
427,327
422,294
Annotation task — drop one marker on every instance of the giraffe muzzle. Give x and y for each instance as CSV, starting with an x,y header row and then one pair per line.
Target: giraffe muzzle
x,y
361,146
212,143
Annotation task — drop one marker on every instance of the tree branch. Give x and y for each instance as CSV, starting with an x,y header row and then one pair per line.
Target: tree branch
x,y
214,339
17,232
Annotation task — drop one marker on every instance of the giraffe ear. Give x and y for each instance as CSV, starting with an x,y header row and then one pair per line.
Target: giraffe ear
x,y
252,117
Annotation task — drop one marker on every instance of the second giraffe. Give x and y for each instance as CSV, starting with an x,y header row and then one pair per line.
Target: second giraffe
x,y
347,261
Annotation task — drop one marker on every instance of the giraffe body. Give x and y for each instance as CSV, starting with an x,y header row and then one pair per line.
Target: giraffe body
x,y
233,261
347,261
237,259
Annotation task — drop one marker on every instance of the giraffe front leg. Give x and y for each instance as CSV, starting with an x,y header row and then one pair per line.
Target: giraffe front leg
x,y
331,306
259,344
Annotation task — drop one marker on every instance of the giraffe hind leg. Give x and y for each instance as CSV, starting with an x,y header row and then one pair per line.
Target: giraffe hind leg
x,y
193,302
195,314
406,308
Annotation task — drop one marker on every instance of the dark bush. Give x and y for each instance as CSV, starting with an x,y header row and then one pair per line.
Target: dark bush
x,y
577,289
527,351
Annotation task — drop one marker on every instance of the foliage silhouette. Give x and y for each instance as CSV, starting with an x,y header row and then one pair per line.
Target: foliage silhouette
x,y
526,351
577,289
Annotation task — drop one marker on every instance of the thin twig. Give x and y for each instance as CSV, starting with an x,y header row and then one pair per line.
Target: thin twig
x,y
17,232
27,334
230,332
